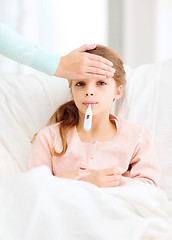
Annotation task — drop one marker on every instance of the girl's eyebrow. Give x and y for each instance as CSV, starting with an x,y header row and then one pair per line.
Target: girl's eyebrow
x,y
76,81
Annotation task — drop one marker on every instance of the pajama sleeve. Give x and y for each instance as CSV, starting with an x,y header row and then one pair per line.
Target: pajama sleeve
x,y
16,47
144,165
41,151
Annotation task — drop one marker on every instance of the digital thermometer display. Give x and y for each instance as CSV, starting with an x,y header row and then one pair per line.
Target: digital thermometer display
x,y
88,119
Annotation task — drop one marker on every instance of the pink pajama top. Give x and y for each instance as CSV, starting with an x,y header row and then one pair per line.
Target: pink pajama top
x,y
131,151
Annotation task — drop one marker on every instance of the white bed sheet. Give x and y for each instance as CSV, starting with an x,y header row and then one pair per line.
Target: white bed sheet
x,y
36,205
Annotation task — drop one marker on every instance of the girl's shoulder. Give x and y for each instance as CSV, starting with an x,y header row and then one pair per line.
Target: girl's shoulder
x,y
126,124
49,131
133,129
131,125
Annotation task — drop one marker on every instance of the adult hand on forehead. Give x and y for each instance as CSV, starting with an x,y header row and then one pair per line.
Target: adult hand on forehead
x,y
80,65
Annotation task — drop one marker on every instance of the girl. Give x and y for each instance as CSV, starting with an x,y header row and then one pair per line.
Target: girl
x,y
113,152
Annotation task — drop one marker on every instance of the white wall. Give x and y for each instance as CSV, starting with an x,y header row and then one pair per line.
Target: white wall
x,y
147,31
9,15
163,30
140,30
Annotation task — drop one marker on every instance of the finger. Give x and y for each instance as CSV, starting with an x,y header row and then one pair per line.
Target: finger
x,y
100,71
113,178
94,76
117,171
86,47
100,65
100,59
113,184
108,171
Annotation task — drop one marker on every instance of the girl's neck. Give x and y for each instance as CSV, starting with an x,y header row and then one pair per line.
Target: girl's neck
x,y
102,129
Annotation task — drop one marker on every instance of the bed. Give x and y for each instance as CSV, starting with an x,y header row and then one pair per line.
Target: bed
x,y
36,205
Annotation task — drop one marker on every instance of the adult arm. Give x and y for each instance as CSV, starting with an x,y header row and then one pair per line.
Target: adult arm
x,y
76,65
16,47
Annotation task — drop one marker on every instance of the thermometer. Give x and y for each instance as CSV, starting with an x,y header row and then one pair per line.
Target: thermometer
x,y
88,119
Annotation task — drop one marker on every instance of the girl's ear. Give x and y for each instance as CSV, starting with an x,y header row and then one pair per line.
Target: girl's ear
x,y
118,92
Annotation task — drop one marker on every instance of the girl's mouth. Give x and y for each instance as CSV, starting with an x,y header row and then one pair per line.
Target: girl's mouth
x,y
92,103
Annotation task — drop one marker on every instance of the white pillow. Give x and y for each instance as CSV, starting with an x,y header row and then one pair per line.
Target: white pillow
x,y
26,104
148,102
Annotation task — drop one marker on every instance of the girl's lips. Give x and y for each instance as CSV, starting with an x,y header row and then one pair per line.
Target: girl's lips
x,y
92,103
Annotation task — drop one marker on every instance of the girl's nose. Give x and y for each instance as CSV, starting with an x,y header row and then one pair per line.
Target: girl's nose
x,y
90,89
89,94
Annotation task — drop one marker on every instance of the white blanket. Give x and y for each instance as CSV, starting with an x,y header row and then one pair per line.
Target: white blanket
x,y
38,206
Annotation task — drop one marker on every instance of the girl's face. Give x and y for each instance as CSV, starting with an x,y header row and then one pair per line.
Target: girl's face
x,y
100,94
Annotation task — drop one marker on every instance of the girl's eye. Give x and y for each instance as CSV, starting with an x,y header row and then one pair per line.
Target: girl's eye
x,y
101,83
80,84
